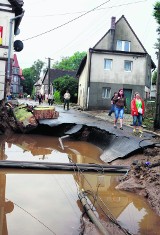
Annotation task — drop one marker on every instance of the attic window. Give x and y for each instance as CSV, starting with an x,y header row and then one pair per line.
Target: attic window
x,y
123,45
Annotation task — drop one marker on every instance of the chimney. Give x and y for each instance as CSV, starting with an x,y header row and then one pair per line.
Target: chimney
x,y
113,21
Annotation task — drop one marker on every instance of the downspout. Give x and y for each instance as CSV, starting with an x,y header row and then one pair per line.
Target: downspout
x,y
10,40
89,75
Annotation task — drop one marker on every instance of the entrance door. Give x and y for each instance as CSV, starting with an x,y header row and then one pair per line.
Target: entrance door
x,y
128,94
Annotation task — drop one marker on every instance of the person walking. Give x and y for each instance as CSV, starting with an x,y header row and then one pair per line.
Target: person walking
x,y
120,103
137,112
67,97
113,103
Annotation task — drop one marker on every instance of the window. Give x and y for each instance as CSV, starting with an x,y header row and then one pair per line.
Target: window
x,y
106,92
108,64
128,65
123,45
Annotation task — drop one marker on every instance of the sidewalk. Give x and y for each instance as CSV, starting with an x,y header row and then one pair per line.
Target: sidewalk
x,y
103,114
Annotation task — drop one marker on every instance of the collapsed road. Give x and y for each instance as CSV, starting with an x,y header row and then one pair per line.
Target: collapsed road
x,y
117,145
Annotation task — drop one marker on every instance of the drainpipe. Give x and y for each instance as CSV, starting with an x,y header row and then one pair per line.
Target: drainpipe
x,y
89,75
10,40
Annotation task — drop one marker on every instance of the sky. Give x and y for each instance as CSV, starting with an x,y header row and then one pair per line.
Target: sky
x,y
56,29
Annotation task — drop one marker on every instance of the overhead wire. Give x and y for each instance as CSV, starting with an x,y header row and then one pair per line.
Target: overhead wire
x,y
66,22
79,12
33,216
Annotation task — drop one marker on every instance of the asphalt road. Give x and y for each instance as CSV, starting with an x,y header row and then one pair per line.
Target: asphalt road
x,y
122,142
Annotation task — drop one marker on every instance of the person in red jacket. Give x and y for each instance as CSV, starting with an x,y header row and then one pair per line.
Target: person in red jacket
x,y
137,111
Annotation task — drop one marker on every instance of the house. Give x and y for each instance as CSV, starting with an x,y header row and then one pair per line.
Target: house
x,y
53,74
10,18
118,60
16,88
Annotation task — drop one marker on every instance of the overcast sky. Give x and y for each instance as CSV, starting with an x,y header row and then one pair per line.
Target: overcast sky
x,y
83,31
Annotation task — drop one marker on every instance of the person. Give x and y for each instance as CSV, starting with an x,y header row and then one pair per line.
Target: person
x,y
49,99
120,103
67,97
40,98
137,112
113,103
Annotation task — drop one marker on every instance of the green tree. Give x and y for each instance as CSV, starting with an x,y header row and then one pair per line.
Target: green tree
x,y
31,76
64,83
70,63
154,77
156,14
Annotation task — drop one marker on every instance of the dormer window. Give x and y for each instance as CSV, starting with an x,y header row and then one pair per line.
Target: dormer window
x,y
123,45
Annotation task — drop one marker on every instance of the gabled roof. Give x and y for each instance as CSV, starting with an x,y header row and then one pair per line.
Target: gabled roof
x,y
100,51
15,61
56,73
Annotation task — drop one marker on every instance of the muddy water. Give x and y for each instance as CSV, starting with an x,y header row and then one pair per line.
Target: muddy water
x,y
47,202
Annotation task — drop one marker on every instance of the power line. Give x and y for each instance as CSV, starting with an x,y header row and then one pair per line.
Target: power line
x,y
79,12
67,22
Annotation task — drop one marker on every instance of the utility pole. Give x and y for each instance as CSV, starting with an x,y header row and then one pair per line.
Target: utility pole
x,y
157,112
49,77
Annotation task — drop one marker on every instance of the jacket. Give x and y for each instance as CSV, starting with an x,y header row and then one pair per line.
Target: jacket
x,y
121,102
134,110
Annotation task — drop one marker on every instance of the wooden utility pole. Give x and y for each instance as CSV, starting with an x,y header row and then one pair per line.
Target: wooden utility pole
x,y
157,113
49,65
49,77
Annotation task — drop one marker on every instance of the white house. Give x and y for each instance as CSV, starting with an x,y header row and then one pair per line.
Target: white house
x,y
118,60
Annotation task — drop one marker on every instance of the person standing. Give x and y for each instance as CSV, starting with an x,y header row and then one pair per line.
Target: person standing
x,y
40,98
137,112
49,99
120,103
67,97
113,103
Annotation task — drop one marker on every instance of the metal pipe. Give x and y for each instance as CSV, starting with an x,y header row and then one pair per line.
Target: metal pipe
x,y
10,40
60,166
91,214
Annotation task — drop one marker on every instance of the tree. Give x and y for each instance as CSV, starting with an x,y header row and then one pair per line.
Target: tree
x,y
154,77
67,83
70,63
156,14
31,76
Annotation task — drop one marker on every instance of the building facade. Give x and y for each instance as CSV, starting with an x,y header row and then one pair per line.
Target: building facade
x,y
118,60
11,13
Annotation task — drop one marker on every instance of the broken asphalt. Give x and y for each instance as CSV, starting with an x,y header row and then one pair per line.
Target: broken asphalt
x,y
119,144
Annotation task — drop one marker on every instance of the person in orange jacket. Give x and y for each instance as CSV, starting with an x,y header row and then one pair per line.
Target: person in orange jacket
x,y
137,111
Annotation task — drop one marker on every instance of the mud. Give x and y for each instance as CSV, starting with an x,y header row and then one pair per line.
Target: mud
x,y
143,177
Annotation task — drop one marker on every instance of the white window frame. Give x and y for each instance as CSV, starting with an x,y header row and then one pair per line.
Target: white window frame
x,y
106,92
128,65
108,64
123,45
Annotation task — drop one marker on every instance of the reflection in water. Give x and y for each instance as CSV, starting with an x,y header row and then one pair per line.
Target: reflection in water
x,y
44,201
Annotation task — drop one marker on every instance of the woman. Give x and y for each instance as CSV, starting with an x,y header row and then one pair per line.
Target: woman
x,y
137,111
120,103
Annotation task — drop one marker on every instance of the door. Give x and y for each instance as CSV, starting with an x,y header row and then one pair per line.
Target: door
x,y
128,94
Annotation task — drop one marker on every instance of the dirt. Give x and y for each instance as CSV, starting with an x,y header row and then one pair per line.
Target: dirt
x,y
143,177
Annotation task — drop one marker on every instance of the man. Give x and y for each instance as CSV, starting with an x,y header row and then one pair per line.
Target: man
x,y
67,97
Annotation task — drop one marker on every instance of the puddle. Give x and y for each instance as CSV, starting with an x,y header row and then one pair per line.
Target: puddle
x,y
47,202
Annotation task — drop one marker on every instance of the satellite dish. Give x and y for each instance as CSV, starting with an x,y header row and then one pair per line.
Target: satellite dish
x,y
18,45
